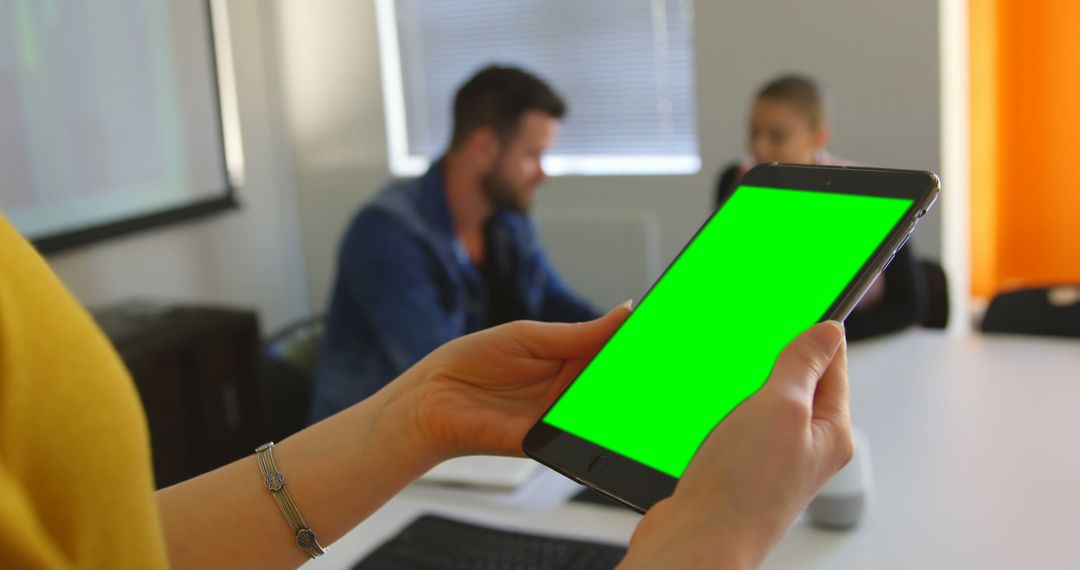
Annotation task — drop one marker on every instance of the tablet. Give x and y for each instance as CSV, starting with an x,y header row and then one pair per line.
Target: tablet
x,y
791,246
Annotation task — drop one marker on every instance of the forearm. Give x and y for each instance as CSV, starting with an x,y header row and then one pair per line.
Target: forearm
x,y
689,533
699,551
338,472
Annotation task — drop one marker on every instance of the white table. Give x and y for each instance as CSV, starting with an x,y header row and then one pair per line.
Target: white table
x,y
975,446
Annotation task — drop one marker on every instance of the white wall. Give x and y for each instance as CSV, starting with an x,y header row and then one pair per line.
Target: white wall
x,y
249,257
878,58
329,72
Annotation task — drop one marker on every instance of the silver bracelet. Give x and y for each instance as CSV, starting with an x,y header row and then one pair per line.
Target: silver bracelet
x,y
275,482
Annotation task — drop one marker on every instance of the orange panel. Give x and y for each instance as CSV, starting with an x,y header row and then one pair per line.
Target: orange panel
x,y
1025,143
984,146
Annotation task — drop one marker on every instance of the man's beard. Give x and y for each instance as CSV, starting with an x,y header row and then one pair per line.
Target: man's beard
x,y
502,195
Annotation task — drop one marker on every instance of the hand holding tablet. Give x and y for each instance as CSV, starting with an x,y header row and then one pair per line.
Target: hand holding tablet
x,y
792,246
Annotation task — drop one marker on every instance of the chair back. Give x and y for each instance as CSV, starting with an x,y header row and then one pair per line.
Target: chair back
x,y
937,294
288,372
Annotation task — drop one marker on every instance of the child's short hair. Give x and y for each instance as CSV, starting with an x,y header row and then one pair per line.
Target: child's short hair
x,y
801,92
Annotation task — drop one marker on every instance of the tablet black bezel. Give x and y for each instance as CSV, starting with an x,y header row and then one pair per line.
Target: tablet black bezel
x,y
639,486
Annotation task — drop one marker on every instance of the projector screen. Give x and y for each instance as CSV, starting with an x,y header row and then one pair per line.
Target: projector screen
x,y
110,117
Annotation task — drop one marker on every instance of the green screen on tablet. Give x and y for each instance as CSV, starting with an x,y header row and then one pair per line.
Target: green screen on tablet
x,y
768,265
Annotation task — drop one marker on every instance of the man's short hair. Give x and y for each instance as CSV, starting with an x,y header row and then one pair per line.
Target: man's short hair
x,y
497,97
799,91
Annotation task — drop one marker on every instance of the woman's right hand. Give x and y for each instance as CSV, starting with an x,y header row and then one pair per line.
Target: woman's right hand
x,y
759,468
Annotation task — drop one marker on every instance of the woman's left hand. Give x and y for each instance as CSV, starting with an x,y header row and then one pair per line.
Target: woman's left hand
x,y
481,393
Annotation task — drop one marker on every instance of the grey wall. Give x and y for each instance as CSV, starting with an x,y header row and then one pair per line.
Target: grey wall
x,y
312,119
879,60
249,257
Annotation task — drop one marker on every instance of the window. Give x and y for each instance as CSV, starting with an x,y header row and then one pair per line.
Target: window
x,y
624,67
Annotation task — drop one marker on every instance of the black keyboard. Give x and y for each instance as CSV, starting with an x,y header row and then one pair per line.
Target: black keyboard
x,y
432,542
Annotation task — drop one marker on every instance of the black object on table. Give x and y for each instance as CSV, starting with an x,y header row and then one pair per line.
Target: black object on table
x,y
432,542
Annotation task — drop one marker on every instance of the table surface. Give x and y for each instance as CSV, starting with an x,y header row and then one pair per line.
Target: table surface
x,y
973,445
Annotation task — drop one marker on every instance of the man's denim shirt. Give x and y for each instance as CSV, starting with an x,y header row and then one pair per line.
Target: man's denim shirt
x,y
405,286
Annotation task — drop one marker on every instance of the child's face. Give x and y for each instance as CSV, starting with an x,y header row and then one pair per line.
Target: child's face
x,y
780,133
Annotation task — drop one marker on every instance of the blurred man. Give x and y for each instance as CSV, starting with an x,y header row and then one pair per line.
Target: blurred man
x,y
450,253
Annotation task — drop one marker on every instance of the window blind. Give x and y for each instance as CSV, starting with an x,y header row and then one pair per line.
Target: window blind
x,y
624,67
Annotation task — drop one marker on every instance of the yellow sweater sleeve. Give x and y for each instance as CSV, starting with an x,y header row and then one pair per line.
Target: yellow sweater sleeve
x,y
76,484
